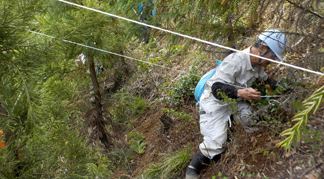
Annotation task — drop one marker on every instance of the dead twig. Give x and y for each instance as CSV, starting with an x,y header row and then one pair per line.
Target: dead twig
x,y
304,9
311,168
318,119
4,115
291,171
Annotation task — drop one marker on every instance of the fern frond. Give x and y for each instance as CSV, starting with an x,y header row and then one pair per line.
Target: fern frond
x,y
311,105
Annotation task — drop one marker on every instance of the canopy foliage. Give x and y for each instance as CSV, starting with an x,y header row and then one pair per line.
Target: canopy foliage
x,y
53,131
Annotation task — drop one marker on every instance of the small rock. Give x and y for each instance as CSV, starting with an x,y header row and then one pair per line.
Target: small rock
x,y
279,163
298,168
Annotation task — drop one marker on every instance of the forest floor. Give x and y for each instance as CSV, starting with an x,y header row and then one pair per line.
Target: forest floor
x,y
246,156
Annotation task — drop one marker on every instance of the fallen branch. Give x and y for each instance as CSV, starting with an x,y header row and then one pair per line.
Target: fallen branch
x,y
304,9
311,168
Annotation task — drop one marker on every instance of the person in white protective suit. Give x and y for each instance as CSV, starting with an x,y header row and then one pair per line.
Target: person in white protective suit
x,y
234,78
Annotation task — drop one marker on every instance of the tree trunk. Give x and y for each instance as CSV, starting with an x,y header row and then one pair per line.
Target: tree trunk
x,y
125,65
96,121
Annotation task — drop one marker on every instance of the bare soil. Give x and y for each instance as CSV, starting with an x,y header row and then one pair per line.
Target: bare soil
x,y
247,156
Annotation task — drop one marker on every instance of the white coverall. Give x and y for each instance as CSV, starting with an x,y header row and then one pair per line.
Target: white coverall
x,y
236,69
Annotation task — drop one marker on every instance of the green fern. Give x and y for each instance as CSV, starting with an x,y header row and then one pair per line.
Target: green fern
x,y
311,105
137,142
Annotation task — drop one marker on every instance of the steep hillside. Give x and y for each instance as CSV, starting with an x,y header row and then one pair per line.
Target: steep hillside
x,y
85,93
170,122
171,128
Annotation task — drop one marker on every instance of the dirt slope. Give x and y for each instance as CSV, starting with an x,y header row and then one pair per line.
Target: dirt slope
x,y
247,156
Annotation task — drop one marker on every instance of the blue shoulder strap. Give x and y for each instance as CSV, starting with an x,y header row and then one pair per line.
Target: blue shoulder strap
x,y
200,87
218,63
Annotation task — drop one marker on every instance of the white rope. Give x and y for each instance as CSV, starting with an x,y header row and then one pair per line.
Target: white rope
x,y
105,51
192,38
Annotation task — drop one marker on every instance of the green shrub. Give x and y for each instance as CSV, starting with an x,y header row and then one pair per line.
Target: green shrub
x,y
183,116
183,90
127,107
136,142
171,167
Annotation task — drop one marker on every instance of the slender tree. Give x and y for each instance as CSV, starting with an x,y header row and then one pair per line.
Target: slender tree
x,y
39,84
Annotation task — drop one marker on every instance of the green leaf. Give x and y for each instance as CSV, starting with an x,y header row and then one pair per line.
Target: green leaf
x,y
312,103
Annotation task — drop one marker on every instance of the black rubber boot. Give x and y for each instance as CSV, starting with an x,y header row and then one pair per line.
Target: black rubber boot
x,y
216,158
198,162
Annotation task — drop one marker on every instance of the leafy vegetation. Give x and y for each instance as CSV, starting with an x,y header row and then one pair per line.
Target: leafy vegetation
x,y
127,107
52,130
170,167
136,142
183,89
311,104
181,115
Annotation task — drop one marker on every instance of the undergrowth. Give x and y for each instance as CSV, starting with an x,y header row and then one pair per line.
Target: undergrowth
x,y
170,167
183,116
182,91
127,107
137,142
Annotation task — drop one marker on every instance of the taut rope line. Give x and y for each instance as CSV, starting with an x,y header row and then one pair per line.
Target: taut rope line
x,y
105,51
189,37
